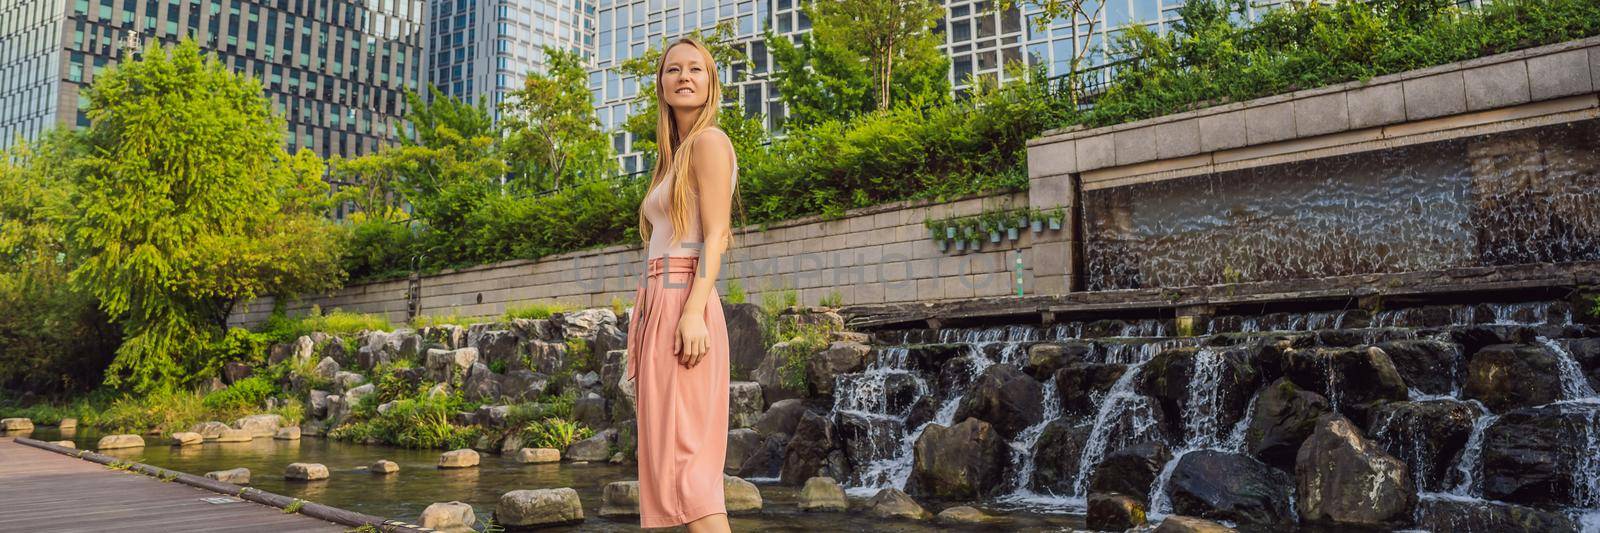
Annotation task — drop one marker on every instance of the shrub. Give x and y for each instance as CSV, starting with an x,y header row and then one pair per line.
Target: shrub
x,y
735,294
555,433
245,394
534,310
420,422
279,327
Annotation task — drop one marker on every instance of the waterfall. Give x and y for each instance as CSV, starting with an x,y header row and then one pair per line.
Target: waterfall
x,y
1120,399
1236,438
1200,412
1574,386
1468,467
1022,446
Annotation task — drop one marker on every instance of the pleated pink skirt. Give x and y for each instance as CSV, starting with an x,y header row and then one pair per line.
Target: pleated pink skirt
x,y
682,412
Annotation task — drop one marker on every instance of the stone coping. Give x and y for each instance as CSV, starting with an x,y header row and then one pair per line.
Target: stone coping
x,y
1503,80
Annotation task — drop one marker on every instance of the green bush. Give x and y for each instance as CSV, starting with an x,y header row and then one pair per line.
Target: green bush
x,y
280,327
534,310
245,394
555,433
421,422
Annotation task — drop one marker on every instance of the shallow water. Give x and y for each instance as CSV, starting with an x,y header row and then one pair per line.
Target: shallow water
x,y
419,482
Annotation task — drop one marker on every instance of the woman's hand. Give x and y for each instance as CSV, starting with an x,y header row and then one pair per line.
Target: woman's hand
x,y
693,341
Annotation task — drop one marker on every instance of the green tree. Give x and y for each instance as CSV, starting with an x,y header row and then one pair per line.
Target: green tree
x,y
552,133
889,34
187,204
819,79
1083,13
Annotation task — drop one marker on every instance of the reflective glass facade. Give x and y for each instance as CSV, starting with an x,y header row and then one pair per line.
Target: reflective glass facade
x,y
484,48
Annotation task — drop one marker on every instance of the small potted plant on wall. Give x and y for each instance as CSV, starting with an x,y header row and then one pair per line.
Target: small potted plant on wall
x,y
1016,220
1056,215
1036,219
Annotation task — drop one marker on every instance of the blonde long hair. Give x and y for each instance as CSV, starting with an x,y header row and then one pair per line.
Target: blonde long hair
x,y
669,147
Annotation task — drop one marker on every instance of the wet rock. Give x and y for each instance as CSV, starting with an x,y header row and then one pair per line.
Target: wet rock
x,y
1535,456
839,358
114,442
1006,398
463,458
1045,358
233,435
541,507
596,448
868,438
1111,511
1230,486
1510,376
1284,416
383,466
590,410
445,366
766,461
963,461
892,503
1356,377
1131,471
965,515
1427,435
1479,516
260,425
1189,524
186,438
744,403
775,385
932,357
1057,452
287,433
887,393
1081,385
451,517
823,494
538,455
807,451
1429,366
237,476
305,472
742,443
745,343
1168,377
740,496
619,499
1347,480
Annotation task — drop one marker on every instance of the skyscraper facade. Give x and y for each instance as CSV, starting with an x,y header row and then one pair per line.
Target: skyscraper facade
x,y
484,48
336,69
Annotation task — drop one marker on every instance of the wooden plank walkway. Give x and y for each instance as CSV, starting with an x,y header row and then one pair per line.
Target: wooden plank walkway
x,y
42,490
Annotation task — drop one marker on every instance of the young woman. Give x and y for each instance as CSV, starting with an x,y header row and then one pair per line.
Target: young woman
x,y
678,338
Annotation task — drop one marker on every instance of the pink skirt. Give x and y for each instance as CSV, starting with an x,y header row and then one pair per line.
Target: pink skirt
x,y
682,412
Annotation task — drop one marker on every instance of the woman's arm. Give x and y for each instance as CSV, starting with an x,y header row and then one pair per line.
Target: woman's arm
x,y
712,165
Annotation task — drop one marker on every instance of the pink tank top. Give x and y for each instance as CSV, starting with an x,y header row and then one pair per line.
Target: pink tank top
x,y
656,204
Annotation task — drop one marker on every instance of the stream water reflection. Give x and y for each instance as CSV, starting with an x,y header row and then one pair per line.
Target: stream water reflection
x,y
419,483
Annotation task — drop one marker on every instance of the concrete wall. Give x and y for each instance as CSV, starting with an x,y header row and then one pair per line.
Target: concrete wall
x,y
1524,89
879,254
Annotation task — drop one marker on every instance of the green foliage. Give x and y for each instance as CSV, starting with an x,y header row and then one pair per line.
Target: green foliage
x,y
1211,57
186,204
734,295
243,395
419,422
555,433
803,341
534,310
294,506
832,299
279,327
894,38
552,132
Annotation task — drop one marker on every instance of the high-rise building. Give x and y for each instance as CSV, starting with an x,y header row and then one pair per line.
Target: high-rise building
x,y
336,69
978,40
484,48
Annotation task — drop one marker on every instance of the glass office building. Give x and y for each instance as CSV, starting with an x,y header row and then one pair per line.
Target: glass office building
x,y
484,48
977,39
336,69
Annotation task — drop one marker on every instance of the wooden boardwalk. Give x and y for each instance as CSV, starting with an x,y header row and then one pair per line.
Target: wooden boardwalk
x,y
42,490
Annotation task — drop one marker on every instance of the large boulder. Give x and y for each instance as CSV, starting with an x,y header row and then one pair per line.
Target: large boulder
x,y
354,395
1478,516
305,472
746,346
742,443
546,357
963,461
1131,471
326,369
808,449
463,458
481,384
1233,487
539,508
767,460
892,503
449,517
596,448
445,366
1045,358
187,438
740,496
1005,398
619,499
590,409
260,425
1057,452
523,385
583,323
1352,379
498,347
1284,416
1427,435
839,358
1110,511
1229,373
114,442
1430,366
234,435
867,438
1082,384
1535,456
233,371
823,494
1346,480
777,383
450,336
538,455
744,403
16,425
781,417
1510,376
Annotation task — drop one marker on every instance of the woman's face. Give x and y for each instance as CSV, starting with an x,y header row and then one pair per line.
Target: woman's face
x,y
685,77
